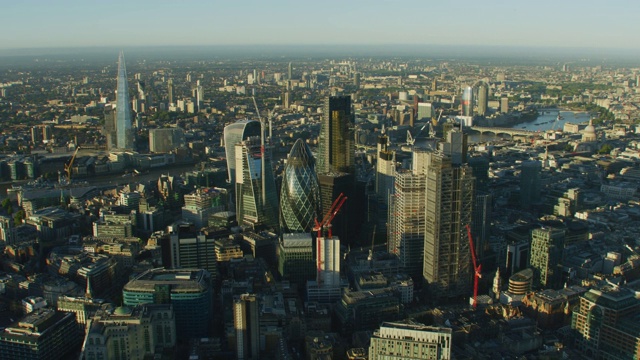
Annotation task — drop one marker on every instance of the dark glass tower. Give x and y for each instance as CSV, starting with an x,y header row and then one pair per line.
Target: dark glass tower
x,y
124,133
300,193
336,148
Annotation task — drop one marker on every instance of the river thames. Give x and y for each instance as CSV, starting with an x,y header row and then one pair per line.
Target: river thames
x,y
545,121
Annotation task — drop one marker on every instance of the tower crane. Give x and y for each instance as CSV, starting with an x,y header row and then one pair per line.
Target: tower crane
x,y
477,268
326,223
68,167
411,140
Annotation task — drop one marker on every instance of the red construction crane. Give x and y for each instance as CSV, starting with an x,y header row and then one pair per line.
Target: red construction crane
x,y
477,268
326,223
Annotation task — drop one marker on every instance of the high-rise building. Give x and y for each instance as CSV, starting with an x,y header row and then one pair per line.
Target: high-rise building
x,y
406,341
286,99
256,196
483,99
131,333
233,134
198,95
124,122
290,72
407,215
170,91
165,140
326,287
190,249
336,143
331,186
530,185
385,173
246,322
504,105
187,290
455,146
547,245
43,334
36,135
425,111
295,258
449,202
300,192
606,324
467,101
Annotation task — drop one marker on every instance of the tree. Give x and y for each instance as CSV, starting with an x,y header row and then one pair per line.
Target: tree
x,y
19,216
605,149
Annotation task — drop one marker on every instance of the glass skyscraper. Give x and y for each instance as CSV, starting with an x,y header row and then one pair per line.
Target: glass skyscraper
x,y
336,143
300,193
124,134
234,134
255,205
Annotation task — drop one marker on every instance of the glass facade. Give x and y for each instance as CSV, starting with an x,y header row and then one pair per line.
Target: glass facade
x,y
336,143
234,134
300,193
124,134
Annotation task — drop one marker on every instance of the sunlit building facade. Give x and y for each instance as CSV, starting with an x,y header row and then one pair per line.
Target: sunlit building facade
x,y
300,192
124,132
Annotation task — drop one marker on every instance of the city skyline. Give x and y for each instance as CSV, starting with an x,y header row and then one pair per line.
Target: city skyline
x,y
547,24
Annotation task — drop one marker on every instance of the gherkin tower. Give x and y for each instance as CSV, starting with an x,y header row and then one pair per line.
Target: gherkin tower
x,y
300,194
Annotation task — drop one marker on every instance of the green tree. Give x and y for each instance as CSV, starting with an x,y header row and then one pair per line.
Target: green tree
x,y
605,149
18,217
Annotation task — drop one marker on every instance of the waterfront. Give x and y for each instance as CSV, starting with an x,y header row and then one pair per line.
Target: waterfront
x,y
545,121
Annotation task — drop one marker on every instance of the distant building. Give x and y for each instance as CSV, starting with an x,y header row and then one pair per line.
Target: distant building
x,y
336,143
483,99
425,111
124,123
467,101
406,341
165,140
43,334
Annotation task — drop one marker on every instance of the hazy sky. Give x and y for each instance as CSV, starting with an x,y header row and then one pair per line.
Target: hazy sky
x,y
561,23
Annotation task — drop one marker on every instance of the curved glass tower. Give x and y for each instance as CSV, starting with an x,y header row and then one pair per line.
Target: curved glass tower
x,y
300,193
233,134
124,134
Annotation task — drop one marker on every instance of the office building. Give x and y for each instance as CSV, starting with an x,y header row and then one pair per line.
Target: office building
x,y
530,184
606,324
233,134
246,322
192,250
521,282
170,91
407,216
467,101
201,204
449,202
326,287
331,186
385,174
124,131
425,111
455,146
166,139
365,310
187,290
256,196
130,333
43,334
504,105
300,192
83,307
406,341
481,225
336,143
198,96
295,258
547,245
483,99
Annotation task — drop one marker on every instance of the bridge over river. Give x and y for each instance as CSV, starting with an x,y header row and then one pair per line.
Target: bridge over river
x,y
506,131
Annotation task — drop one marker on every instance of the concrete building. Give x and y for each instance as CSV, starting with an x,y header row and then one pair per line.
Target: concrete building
x,y
405,341
165,140
295,258
530,185
547,245
133,333
43,334
246,323
201,204
606,322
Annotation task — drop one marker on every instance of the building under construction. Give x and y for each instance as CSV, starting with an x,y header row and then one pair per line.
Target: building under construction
x,y
449,201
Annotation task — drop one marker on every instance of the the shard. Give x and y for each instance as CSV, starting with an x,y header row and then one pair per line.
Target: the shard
x,y
124,133
300,193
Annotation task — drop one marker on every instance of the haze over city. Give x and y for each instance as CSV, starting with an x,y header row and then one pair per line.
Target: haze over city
x,y
297,180
547,23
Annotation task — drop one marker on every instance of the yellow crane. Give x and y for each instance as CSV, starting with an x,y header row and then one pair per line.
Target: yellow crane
x,y
68,167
